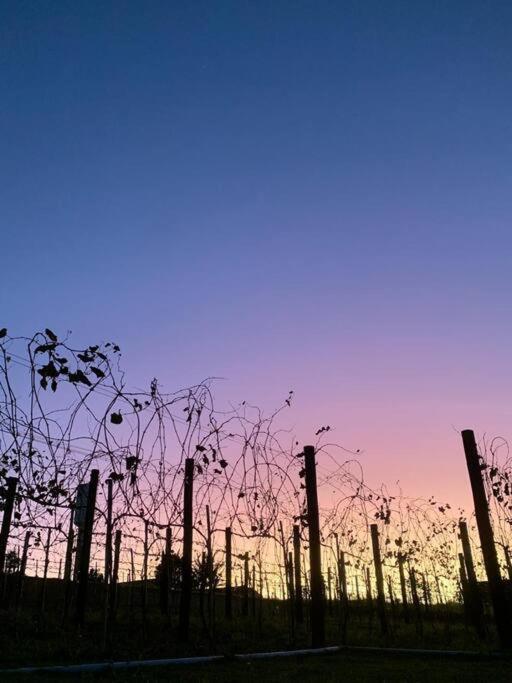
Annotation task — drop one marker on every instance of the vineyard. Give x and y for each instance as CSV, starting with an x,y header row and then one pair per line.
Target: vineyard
x,y
141,524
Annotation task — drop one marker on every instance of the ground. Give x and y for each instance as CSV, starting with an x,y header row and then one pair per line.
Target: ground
x,y
336,667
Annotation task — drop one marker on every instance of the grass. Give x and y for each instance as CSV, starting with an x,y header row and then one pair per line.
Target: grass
x,y
32,637
323,668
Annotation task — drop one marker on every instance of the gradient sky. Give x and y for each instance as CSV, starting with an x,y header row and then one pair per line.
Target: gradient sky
x,y
291,195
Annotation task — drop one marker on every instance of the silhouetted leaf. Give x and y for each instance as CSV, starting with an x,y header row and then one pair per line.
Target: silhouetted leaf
x,y
3,332
48,370
51,334
43,348
99,373
79,377
116,418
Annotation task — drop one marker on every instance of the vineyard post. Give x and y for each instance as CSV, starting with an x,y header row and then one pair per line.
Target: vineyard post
x,y
369,597
85,550
329,588
342,573
381,600
253,596
260,599
68,563
165,576
111,590
415,599
108,539
343,577
227,598
186,580
475,606
298,579
288,575
462,573
209,566
403,587
369,587
145,570
506,550
45,572
245,607
426,592
438,590
115,572
23,568
132,580
496,586
78,552
391,597
464,587
12,484
315,562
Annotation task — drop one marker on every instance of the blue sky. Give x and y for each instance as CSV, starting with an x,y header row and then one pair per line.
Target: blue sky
x,y
307,195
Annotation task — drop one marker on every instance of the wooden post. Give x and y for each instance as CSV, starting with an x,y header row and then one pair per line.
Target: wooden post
x,y
228,595
145,570
111,591
245,606
260,597
186,579
299,612
468,556
108,534
343,577
475,606
403,587
165,574
132,580
315,562
483,520
329,589
426,591
68,563
209,551
463,575
343,592
415,599
115,572
288,573
23,568
85,550
45,571
390,592
12,484
253,585
381,599
508,562
210,583
78,550
368,587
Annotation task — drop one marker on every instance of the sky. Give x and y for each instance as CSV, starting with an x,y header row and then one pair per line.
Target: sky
x,y
289,195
